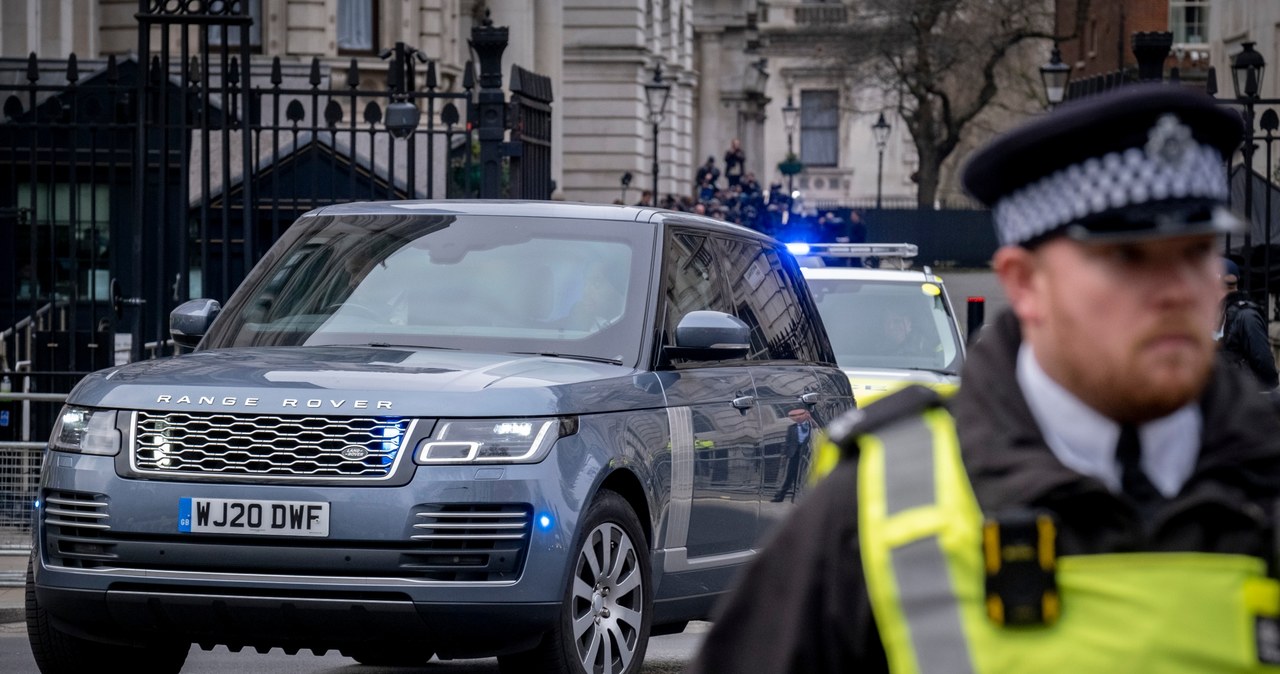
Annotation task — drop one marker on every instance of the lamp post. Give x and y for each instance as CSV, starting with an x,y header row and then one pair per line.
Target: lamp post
x,y
1055,75
881,132
791,165
1247,68
656,94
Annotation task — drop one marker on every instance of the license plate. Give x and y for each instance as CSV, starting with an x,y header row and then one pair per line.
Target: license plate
x,y
243,516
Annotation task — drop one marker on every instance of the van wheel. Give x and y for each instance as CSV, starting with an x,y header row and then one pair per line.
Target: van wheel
x,y
57,652
607,608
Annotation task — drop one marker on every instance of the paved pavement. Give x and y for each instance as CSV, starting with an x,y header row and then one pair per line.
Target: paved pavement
x,y
11,604
13,568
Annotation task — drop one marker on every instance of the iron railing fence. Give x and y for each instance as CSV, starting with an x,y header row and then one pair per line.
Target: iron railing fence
x,y
129,185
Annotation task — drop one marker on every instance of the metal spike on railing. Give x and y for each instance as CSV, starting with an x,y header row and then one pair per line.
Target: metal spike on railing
x,y
276,76
233,72
431,76
468,76
193,70
113,71
1269,121
33,68
73,70
332,114
1211,82
353,74
153,73
315,72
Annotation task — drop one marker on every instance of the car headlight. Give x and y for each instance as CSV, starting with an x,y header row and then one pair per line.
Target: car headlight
x,y
86,431
493,440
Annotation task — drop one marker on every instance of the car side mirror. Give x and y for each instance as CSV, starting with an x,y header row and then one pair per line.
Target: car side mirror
x,y
710,335
189,322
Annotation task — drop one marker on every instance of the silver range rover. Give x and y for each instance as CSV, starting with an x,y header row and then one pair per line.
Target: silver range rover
x,y
541,431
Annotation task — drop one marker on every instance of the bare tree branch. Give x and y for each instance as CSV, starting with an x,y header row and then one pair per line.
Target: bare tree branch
x,y
939,62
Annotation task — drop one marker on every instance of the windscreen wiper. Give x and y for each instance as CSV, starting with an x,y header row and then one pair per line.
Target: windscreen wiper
x,y
934,370
389,345
573,356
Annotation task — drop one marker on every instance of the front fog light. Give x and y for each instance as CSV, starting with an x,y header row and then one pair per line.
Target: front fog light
x,y
491,441
86,431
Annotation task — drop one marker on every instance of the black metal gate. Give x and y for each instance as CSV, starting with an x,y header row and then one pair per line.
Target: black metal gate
x,y
128,186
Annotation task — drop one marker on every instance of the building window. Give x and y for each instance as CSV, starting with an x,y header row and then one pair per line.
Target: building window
x,y
357,26
72,235
1189,21
230,36
820,127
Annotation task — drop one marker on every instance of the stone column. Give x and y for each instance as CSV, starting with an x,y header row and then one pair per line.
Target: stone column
x,y
548,60
708,113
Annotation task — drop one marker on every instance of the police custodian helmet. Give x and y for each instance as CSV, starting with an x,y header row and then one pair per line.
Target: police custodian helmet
x,y
1144,161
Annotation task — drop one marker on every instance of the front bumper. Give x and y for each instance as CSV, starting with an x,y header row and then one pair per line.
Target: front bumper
x,y
117,567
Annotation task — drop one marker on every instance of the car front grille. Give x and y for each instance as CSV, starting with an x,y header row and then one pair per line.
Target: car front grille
x,y
267,446
469,542
78,527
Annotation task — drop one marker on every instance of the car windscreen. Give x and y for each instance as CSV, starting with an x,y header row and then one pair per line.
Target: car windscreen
x,y
888,324
485,283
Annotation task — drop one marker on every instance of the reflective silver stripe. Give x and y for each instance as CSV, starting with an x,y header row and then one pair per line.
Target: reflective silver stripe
x,y
680,426
908,466
929,604
928,601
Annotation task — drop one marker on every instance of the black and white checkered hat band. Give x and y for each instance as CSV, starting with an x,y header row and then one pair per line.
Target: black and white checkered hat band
x,y
1113,181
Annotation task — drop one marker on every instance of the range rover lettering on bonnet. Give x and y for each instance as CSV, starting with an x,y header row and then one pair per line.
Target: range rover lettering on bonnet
x,y
310,403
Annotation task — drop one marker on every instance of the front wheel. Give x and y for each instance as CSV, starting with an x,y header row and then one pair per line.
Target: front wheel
x,y
604,622
57,652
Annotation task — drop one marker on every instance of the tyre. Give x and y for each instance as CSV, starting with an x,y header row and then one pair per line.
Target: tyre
x,y
390,656
607,608
57,652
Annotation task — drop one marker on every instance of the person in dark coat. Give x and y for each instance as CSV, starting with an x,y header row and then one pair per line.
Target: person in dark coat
x,y
1096,404
1244,339
734,162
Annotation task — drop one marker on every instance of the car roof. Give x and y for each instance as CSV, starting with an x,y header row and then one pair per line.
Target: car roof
x,y
865,274
536,209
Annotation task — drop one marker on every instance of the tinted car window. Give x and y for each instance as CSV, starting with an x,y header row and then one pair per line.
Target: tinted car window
x,y
766,297
451,282
694,281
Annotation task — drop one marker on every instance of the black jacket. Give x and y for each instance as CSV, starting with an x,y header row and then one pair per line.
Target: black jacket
x,y
1245,339
802,606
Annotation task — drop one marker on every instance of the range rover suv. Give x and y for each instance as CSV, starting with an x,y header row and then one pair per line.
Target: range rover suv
x,y
541,431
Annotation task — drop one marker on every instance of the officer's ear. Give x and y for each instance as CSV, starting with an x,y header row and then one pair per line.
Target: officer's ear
x,y
1016,267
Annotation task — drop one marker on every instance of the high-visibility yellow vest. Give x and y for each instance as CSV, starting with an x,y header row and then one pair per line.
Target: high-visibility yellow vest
x,y
921,538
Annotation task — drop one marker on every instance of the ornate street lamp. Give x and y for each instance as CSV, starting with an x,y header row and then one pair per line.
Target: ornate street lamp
x,y
656,94
1055,75
1246,72
1247,68
881,132
791,165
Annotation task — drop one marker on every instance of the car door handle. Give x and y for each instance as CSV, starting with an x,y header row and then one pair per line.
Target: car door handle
x,y
810,398
744,402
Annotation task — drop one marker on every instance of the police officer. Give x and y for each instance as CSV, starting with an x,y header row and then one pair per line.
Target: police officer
x,y
1098,495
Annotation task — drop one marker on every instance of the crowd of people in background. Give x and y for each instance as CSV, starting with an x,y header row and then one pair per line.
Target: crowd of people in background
x,y
736,195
